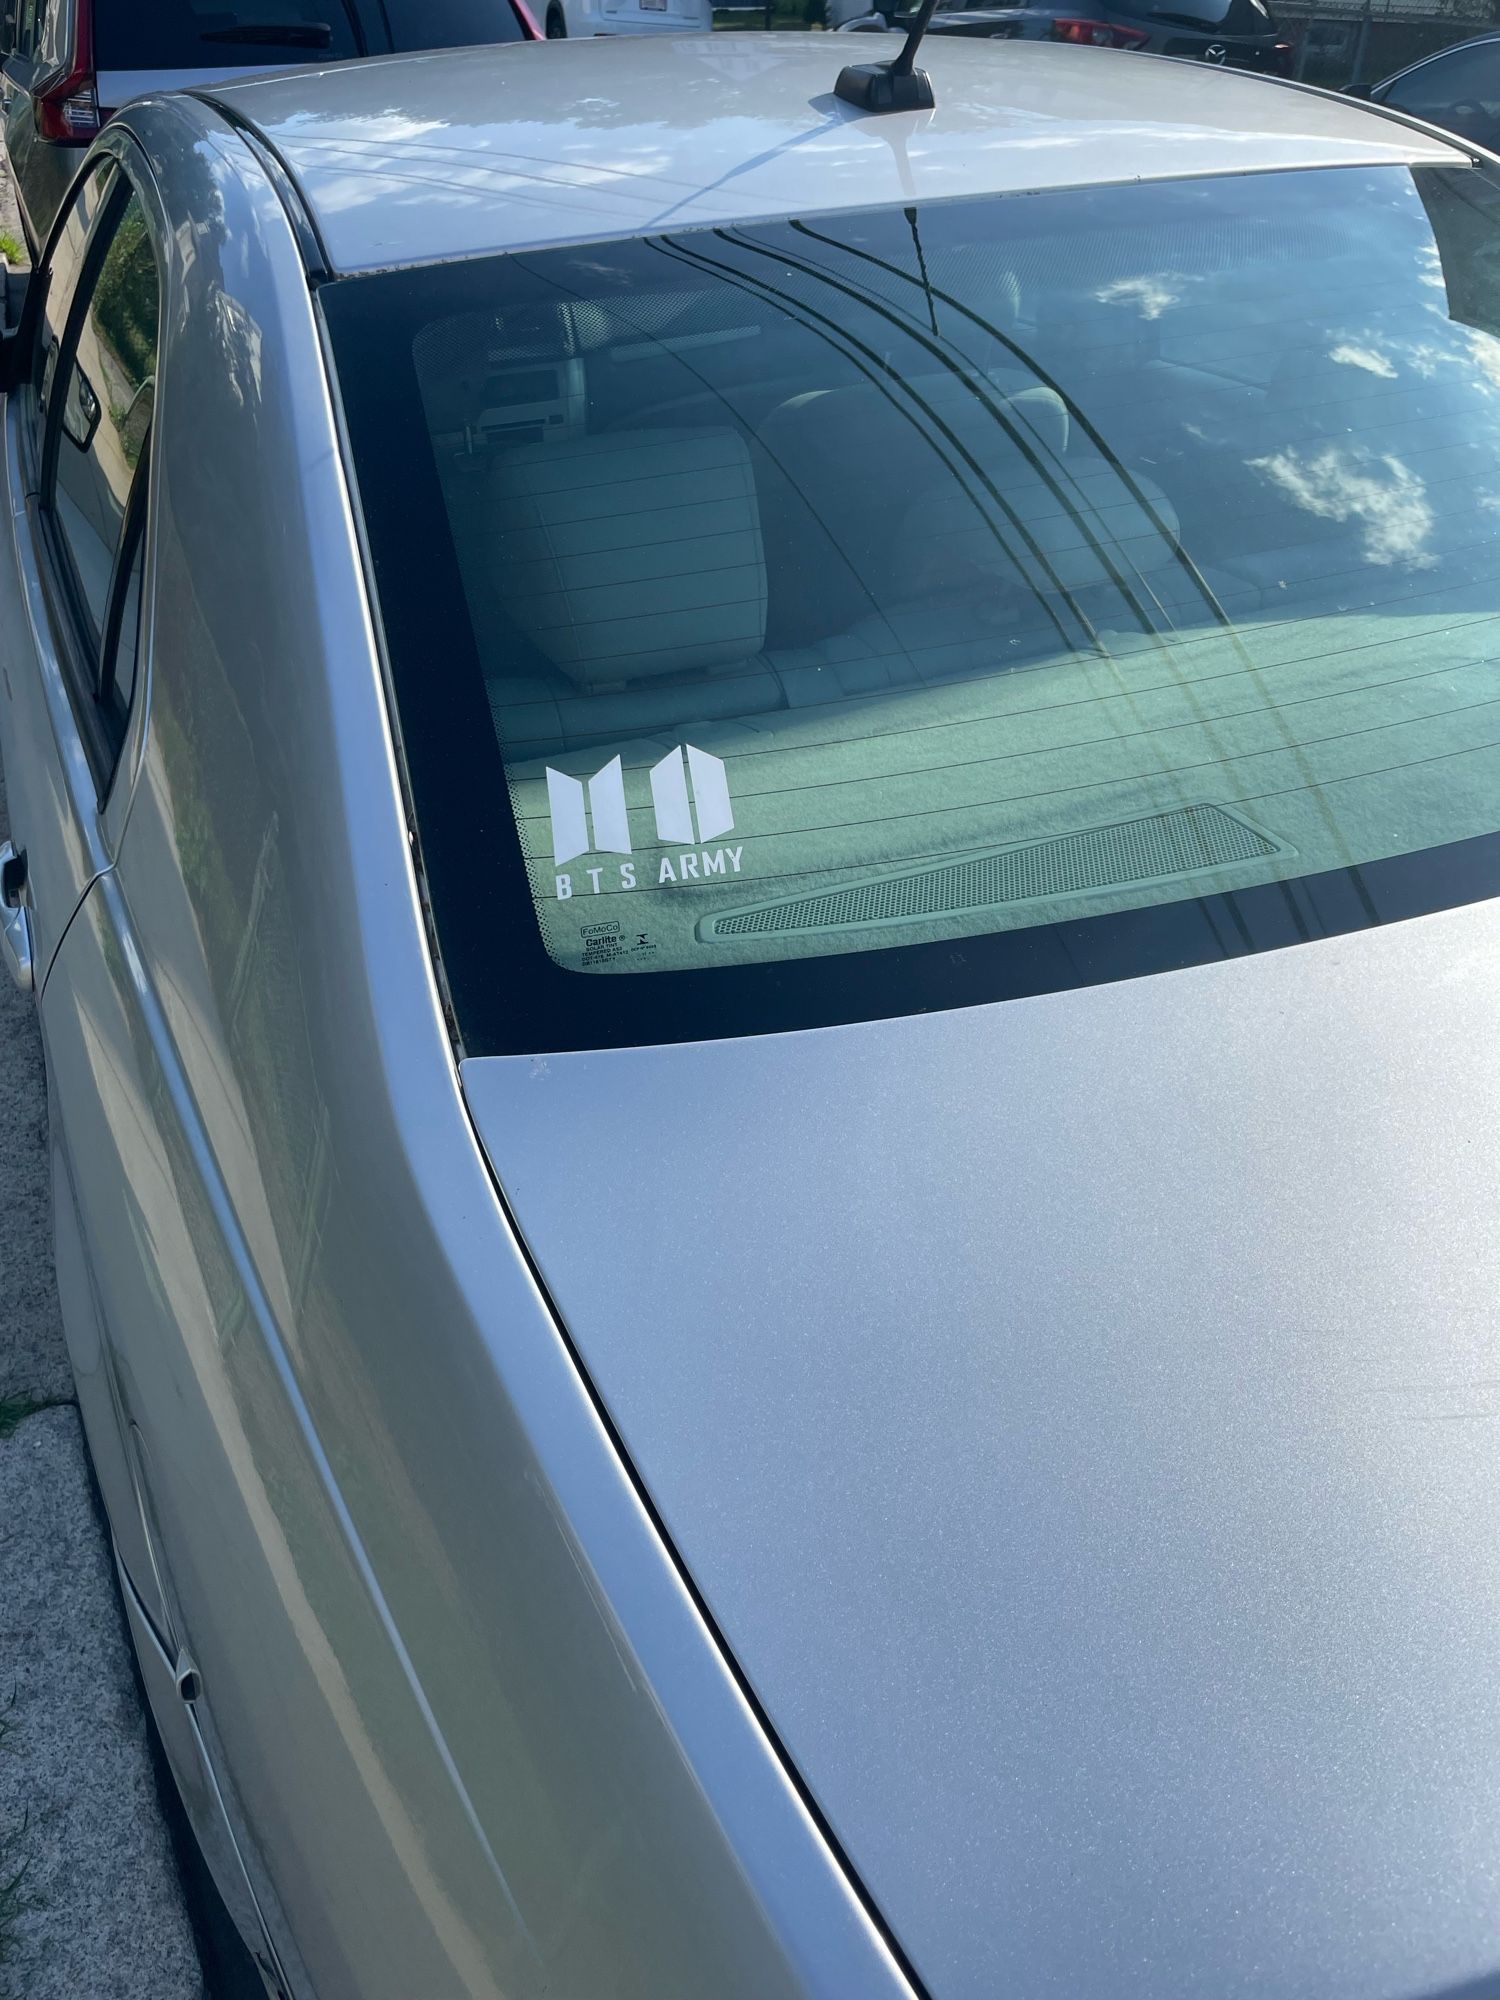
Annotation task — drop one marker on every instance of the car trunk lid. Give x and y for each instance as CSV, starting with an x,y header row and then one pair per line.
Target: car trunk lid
x,y
1080,1416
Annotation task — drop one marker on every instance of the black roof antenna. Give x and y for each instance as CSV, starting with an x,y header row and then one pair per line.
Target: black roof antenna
x,y
892,86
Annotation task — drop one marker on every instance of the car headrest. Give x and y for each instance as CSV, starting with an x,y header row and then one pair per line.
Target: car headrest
x,y
631,554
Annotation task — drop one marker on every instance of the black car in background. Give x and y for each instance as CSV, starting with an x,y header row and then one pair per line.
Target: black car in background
x,y
1233,34
1459,89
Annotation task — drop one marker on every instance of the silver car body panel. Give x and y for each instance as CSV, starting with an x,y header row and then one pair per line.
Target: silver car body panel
x,y
1079,1415
497,149
476,1736
1070,1614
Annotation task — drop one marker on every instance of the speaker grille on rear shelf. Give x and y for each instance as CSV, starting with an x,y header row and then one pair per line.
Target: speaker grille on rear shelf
x,y
1154,849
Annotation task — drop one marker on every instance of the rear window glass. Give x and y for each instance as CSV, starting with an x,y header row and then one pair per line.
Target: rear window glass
x,y
814,620
202,34
451,24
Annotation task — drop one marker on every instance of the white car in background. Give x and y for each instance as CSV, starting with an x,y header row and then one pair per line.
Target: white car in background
x,y
626,17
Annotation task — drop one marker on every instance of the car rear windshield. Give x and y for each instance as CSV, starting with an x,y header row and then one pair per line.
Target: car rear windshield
x,y
199,34
815,620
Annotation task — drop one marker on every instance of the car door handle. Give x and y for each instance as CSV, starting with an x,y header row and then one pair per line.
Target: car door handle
x,y
15,918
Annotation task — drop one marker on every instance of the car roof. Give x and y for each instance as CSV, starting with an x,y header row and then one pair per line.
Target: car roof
x,y
418,158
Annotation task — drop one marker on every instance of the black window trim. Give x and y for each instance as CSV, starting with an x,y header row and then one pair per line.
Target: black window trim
x,y
131,544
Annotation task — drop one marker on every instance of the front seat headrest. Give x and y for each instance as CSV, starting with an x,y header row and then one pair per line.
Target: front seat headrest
x,y
632,554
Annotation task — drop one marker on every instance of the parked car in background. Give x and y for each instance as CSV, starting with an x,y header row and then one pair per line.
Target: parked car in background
x,y
627,17
1459,89
1233,34
70,64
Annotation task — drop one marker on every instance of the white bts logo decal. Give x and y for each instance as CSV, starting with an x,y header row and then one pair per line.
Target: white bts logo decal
x,y
605,796
669,795
606,803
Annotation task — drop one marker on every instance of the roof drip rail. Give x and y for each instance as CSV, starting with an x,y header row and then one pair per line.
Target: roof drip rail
x,y
892,86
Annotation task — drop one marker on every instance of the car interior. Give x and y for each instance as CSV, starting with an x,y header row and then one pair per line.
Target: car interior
x,y
955,547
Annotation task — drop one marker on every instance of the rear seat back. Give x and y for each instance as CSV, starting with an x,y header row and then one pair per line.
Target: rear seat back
x,y
618,585
631,555
825,460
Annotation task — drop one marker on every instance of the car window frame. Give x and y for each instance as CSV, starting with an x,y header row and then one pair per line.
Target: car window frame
x,y
1438,60
84,664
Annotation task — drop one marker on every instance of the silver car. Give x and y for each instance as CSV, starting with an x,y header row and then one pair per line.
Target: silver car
x,y
759,847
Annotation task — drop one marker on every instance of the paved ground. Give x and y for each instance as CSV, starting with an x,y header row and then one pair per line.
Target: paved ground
x,y
98,1910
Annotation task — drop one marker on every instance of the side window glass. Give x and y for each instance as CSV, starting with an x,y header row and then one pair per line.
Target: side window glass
x,y
99,400
107,402
61,277
1460,91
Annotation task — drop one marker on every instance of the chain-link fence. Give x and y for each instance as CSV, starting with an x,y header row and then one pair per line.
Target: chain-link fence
x,y
1336,41
1360,41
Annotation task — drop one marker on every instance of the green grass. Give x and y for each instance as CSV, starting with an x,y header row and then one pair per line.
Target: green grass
x,y
10,248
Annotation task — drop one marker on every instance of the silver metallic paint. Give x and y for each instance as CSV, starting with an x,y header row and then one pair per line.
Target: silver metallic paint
x,y
477,1737
1081,1416
414,159
1078,1619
